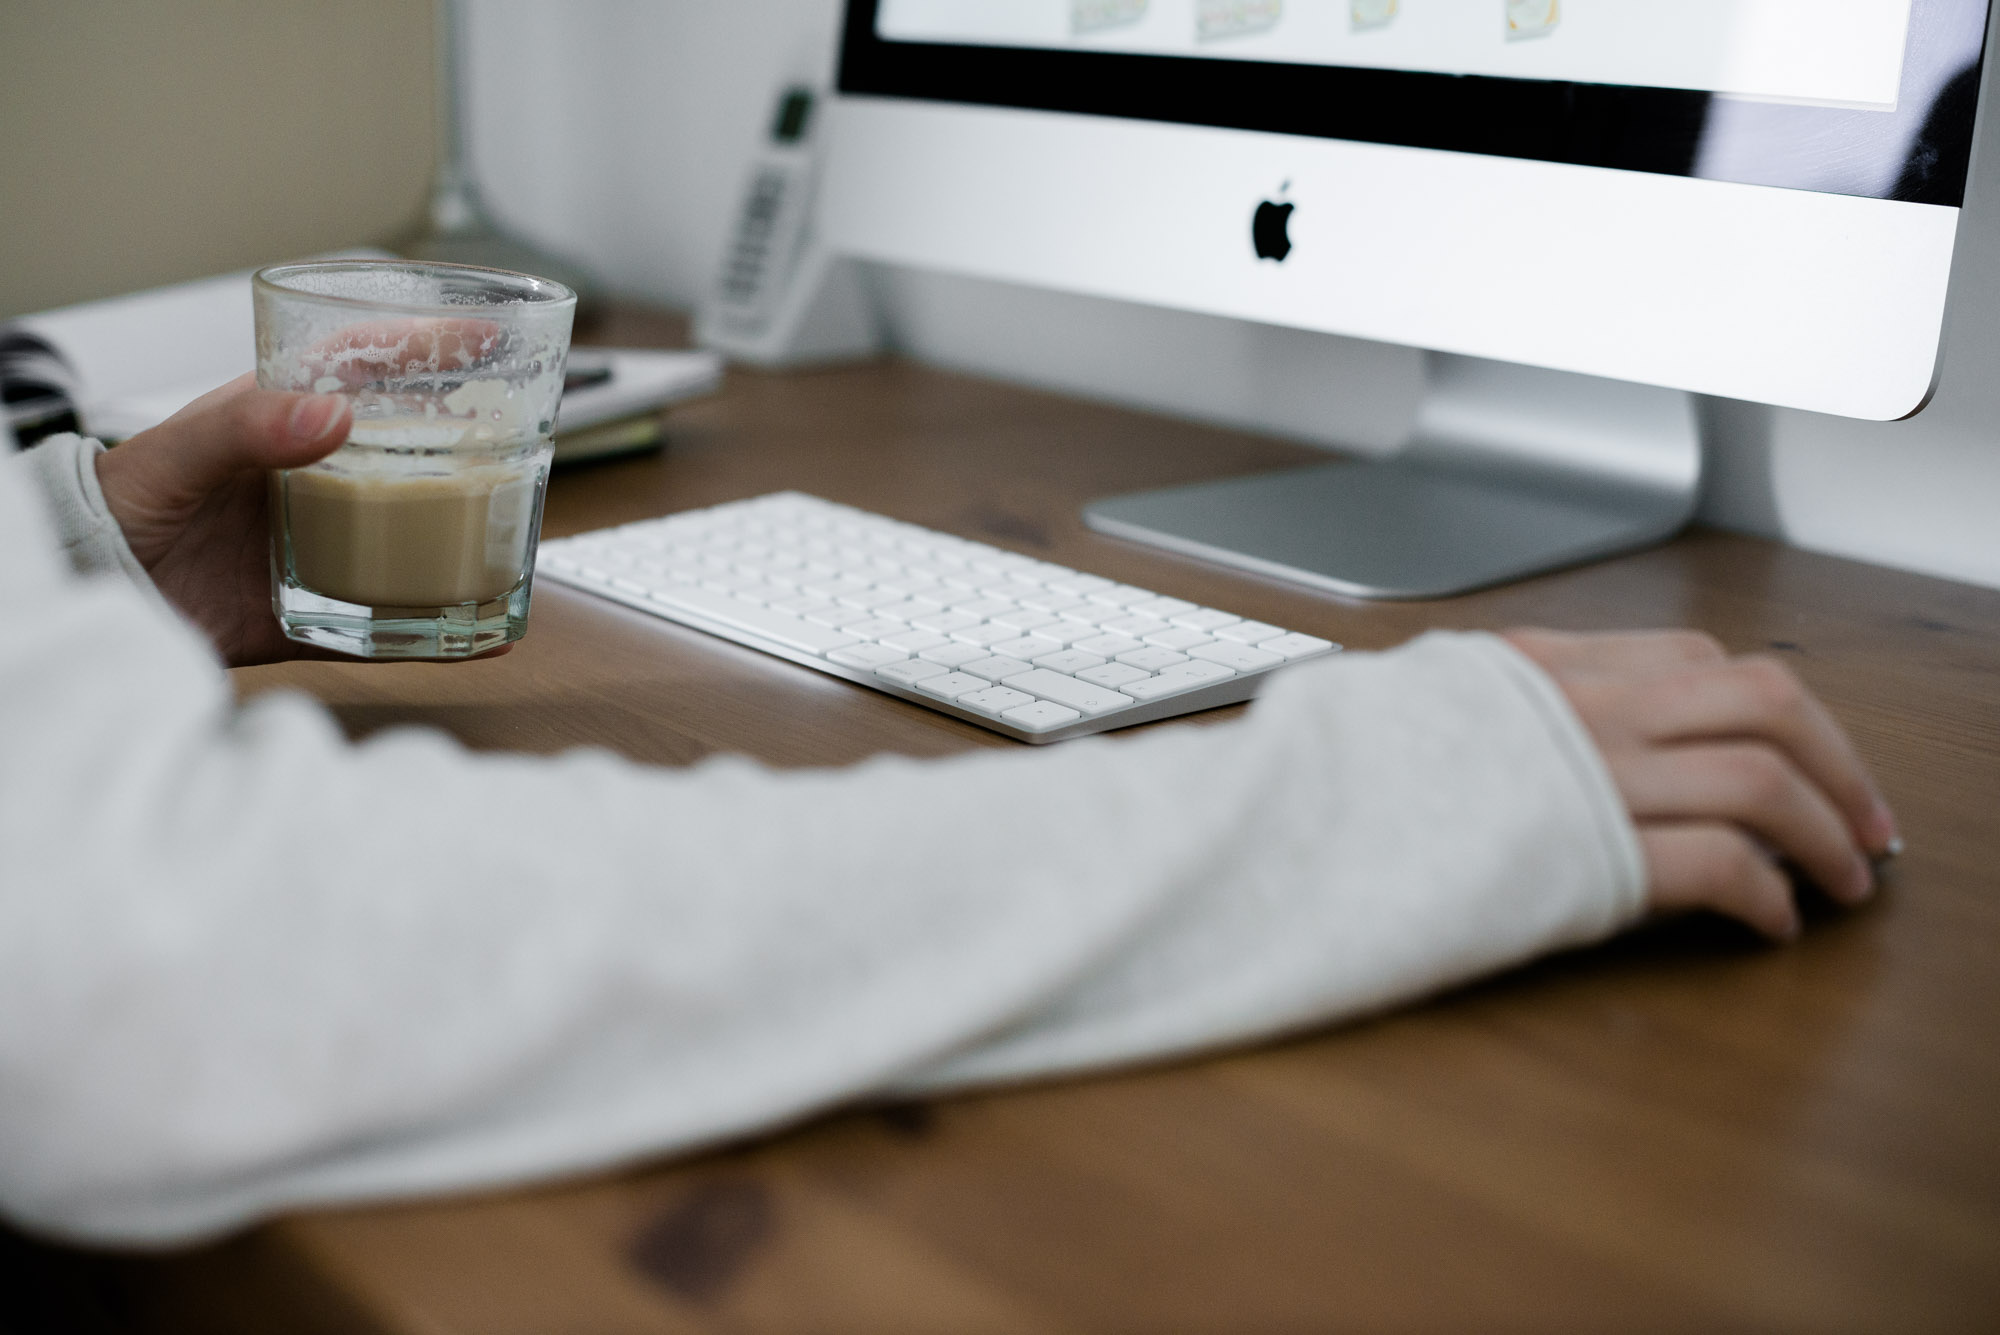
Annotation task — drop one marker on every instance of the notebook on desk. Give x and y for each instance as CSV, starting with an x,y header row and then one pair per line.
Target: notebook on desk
x,y
124,364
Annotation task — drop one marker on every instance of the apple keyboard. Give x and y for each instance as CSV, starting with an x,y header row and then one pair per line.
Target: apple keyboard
x,y
1036,651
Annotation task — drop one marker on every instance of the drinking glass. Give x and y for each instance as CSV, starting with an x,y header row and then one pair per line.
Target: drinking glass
x,y
416,538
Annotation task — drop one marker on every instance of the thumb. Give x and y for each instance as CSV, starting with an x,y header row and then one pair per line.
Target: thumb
x,y
238,427
155,482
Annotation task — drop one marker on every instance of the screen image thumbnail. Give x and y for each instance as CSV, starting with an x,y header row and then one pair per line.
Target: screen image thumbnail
x,y
1097,15
1233,18
1532,18
1363,15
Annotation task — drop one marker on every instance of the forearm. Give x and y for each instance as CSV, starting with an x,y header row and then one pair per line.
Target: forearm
x,y
1439,815
400,970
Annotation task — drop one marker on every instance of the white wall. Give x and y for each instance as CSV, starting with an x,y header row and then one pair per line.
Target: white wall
x,y
619,130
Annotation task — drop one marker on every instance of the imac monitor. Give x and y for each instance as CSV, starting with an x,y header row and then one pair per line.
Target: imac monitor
x,y
1586,210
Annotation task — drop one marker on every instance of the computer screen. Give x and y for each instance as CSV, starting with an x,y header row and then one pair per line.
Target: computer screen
x,y
1652,87
1757,199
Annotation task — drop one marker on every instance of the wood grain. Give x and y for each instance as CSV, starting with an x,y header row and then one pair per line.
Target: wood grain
x,y
1683,1130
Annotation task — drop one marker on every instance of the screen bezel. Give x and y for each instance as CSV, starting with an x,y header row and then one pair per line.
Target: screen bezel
x,y
1591,125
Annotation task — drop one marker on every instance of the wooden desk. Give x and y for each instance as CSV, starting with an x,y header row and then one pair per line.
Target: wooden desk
x,y
1684,1130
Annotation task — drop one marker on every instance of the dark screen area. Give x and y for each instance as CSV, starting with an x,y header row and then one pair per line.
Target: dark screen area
x,y
1919,151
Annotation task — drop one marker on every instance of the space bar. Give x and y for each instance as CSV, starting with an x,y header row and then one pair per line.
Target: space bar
x,y
785,629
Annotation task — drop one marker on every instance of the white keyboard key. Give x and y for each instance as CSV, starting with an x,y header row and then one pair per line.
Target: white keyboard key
x,y
805,606
1295,645
995,668
994,700
983,606
1077,695
954,654
1151,658
1136,626
1068,632
1153,688
1071,661
1194,670
1092,614
1040,716
1112,675
1023,619
1080,585
911,671
1242,657
1109,645
985,633
1122,595
915,641
907,610
778,627
867,655
768,592
833,588
870,599
876,628
1048,600
1164,608
836,615
1029,647
952,685
1179,637
944,623
1249,632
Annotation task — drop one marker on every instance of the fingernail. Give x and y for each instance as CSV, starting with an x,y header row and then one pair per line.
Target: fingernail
x,y
313,416
1882,835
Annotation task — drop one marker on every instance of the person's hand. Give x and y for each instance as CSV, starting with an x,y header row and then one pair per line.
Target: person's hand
x,y
192,493
191,497
1729,767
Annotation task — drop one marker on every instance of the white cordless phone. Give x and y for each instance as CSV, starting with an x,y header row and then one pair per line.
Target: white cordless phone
x,y
779,298
771,225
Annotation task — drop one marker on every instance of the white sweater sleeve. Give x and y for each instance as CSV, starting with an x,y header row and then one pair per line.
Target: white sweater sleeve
x,y
65,467
245,965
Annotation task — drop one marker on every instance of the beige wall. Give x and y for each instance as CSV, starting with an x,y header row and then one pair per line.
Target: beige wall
x,y
144,141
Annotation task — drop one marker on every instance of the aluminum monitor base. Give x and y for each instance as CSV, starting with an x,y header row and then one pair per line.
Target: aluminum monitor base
x,y
1512,472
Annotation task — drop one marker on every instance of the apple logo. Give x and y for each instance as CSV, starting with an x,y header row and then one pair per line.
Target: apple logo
x,y
1268,227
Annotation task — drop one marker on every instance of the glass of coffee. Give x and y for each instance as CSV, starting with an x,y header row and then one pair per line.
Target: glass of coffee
x,y
416,538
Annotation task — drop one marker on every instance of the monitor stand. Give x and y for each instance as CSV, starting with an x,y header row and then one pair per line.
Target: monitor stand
x,y
1511,471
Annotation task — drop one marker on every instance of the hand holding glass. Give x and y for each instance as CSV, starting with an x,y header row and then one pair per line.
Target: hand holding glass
x,y
415,539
